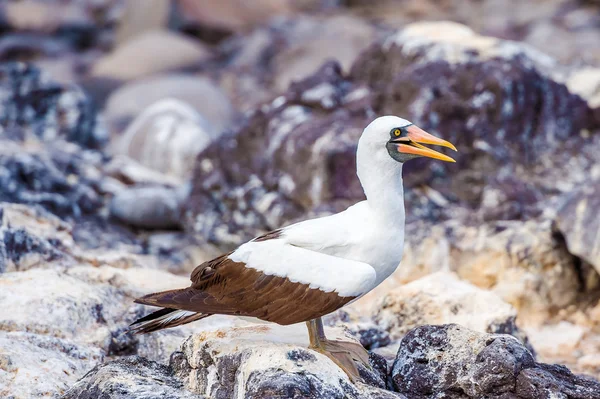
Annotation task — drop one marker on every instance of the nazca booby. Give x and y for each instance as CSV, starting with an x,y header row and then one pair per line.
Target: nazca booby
x,y
304,271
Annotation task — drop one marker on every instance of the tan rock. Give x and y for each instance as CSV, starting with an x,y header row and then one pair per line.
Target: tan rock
x,y
150,53
232,14
441,298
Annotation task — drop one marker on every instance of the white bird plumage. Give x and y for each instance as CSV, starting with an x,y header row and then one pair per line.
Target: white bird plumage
x,y
309,269
353,251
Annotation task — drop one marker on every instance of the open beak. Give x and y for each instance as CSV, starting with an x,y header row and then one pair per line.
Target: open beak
x,y
413,142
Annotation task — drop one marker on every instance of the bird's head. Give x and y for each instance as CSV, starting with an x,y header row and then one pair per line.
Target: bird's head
x,y
402,140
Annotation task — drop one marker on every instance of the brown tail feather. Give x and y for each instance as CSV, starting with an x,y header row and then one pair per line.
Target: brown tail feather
x,y
165,318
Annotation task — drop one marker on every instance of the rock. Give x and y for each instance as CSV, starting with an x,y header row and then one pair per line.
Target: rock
x,y
265,361
131,377
524,263
167,137
452,361
200,93
232,15
578,221
42,17
441,298
57,177
497,101
243,183
33,365
31,104
265,62
149,207
586,83
135,21
74,319
150,53
313,42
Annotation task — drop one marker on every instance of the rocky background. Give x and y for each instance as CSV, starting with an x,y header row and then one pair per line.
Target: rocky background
x,y
138,142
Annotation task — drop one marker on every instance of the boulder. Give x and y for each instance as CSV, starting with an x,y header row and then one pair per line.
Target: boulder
x,y
441,298
453,361
232,15
266,61
526,264
150,53
151,207
200,93
496,100
58,177
167,137
130,377
578,221
34,365
32,105
267,361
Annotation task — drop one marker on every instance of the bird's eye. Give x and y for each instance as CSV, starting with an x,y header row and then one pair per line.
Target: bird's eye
x,y
396,132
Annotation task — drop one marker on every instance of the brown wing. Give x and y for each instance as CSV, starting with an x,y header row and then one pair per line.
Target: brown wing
x,y
221,286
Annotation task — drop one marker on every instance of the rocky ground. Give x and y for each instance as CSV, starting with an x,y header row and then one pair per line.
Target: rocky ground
x,y
135,144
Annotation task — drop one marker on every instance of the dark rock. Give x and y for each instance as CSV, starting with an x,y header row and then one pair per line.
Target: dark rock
x,y
250,180
131,377
579,222
373,337
122,343
148,207
17,243
32,104
495,102
552,380
453,361
46,178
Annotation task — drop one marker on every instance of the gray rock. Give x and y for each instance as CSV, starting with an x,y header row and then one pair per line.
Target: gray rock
x,y
38,365
57,177
202,94
150,53
167,138
579,222
32,104
269,361
152,207
452,361
132,378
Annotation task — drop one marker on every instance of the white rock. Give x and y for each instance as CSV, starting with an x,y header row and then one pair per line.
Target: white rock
x,y
167,137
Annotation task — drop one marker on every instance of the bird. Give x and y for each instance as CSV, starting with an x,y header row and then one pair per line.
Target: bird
x,y
307,270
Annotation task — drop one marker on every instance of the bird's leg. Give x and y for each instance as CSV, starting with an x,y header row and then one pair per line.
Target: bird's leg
x,y
343,353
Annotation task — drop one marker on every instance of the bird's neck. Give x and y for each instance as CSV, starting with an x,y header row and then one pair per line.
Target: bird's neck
x,y
381,180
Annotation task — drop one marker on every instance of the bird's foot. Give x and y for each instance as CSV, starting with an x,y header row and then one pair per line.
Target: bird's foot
x,y
344,354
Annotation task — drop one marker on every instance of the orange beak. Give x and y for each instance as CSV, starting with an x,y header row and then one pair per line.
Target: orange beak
x,y
415,137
